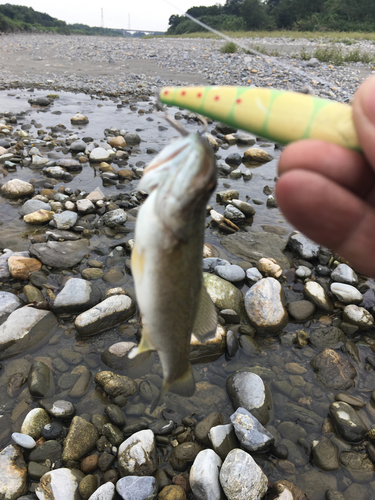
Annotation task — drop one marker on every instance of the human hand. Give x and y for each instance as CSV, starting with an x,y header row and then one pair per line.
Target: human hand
x,y
328,192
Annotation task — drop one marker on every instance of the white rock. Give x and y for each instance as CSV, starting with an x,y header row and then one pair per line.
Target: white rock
x,y
24,440
56,172
96,195
85,206
358,316
105,492
253,275
232,213
101,154
137,454
241,478
16,188
346,294
303,272
204,476
59,484
314,292
344,274
223,439
65,220
104,315
232,273
13,477
8,303
305,247
250,432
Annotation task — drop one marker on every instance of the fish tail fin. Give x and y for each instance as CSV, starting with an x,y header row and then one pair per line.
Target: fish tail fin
x,y
183,386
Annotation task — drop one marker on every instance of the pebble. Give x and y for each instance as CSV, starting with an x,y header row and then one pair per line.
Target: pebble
x,y
204,476
23,440
232,273
250,433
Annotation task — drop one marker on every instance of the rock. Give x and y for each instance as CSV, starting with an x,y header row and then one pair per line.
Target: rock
x,y
105,492
87,486
105,315
32,294
232,273
210,263
172,492
16,189
358,465
325,454
137,455
49,450
137,488
40,381
358,316
333,370
329,336
264,303
132,138
247,390
250,433
81,439
34,421
301,310
253,246
223,439
223,294
99,154
208,350
344,274
202,429
315,483
57,173
346,294
65,220
253,275
96,195
77,296
303,246
269,267
79,119
290,411
39,217
61,255
21,267
314,292
115,218
117,142
116,356
204,476
78,146
85,206
116,385
247,209
184,455
8,303
32,205
13,480
349,424
24,440
256,155
59,484
241,478
23,329
284,490
232,213
303,272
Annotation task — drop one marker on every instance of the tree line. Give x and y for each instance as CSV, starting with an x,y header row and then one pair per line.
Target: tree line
x,y
300,15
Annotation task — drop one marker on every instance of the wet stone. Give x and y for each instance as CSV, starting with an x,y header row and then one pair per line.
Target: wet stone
x,y
13,483
333,370
116,385
330,336
358,316
184,455
40,381
346,294
247,390
54,482
87,486
60,409
104,492
251,434
77,295
50,450
80,440
303,246
349,424
358,465
172,492
202,429
54,430
232,273
223,439
23,440
34,421
264,303
326,455
113,434
283,489
344,274
315,293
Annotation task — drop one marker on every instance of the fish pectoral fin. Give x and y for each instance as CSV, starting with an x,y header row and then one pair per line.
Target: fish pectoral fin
x,y
144,346
137,260
206,319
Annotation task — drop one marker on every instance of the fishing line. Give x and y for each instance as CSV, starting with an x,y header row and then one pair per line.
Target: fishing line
x,y
273,59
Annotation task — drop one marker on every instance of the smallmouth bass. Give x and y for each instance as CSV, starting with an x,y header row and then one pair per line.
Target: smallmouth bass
x,y
166,260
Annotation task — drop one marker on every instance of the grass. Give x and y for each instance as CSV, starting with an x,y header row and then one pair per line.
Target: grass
x,y
229,48
337,57
348,38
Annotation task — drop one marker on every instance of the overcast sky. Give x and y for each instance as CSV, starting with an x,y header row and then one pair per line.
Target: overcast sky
x,y
144,14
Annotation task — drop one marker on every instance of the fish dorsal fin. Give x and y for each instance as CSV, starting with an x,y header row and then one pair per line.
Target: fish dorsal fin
x,y
206,319
144,346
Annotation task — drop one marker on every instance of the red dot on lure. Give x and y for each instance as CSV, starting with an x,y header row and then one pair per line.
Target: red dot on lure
x,y
166,92
217,97
199,95
183,93
238,101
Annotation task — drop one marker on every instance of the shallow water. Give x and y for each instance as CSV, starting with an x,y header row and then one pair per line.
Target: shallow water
x,y
269,358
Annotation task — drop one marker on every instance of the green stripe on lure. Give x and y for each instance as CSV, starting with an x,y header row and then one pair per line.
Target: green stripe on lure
x,y
278,115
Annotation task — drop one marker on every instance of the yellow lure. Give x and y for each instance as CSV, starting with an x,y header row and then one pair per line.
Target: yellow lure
x,y
278,115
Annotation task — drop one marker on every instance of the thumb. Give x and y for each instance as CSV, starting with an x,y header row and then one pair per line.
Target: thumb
x,y
364,118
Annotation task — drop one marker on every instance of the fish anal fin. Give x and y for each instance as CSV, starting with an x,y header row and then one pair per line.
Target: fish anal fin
x,y
144,346
206,318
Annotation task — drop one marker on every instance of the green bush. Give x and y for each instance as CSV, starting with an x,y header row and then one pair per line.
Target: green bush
x,y
229,48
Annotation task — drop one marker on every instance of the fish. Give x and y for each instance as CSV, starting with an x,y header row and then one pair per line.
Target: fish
x,y
278,115
167,258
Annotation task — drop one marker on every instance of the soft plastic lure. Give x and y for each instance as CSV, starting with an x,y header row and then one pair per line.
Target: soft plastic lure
x,y
278,115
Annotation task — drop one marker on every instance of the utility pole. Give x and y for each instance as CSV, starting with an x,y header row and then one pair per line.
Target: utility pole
x,y
102,19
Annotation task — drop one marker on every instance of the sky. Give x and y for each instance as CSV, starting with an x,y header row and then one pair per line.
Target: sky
x,y
144,14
